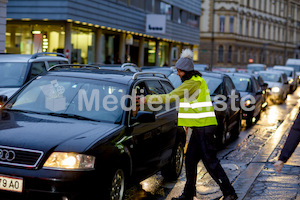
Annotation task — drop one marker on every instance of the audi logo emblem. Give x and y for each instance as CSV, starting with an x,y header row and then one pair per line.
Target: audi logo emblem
x,y
7,155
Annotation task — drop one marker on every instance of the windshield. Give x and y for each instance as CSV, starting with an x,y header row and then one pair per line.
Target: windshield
x,y
214,85
12,74
255,68
271,77
296,67
242,84
289,73
95,100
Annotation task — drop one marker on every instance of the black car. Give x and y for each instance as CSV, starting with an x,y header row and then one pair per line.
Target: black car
x,y
226,102
76,131
264,88
251,94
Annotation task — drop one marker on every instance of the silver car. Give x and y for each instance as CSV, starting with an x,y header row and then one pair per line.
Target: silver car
x,y
291,74
17,69
277,84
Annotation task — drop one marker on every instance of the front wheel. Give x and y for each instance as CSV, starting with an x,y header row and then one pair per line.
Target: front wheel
x,y
173,169
117,188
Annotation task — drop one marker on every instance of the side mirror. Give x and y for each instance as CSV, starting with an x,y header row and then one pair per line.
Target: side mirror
x,y
145,117
259,92
3,99
264,86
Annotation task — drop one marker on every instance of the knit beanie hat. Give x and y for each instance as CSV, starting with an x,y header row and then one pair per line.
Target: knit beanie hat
x,y
185,62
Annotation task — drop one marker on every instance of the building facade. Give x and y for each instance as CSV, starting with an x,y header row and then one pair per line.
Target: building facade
x,y
237,32
2,24
148,32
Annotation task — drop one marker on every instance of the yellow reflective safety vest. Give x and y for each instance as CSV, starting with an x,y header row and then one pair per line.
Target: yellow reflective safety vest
x,y
197,112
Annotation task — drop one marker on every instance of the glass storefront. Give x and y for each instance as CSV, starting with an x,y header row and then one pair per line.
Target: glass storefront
x,y
83,45
29,39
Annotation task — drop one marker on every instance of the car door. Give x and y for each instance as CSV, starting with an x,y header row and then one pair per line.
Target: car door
x,y
144,149
258,96
168,121
232,104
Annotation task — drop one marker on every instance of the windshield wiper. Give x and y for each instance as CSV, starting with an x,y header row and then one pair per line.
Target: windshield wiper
x,y
65,115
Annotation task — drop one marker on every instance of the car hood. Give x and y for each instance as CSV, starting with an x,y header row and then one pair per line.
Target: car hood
x,y
8,91
273,84
44,133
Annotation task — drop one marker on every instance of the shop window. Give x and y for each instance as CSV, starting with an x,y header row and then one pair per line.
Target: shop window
x,y
83,43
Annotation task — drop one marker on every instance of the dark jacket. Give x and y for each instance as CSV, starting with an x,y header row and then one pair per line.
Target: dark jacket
x,y
292,141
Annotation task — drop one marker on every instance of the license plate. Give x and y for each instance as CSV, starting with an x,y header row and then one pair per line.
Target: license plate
x,y
11,184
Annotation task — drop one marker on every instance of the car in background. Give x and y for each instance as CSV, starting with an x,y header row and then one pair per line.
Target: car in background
x,y
222,89
295,63
251,96
17,69
224,69
201,67
131,67
277,84
291,75
170,72
67,128
254,67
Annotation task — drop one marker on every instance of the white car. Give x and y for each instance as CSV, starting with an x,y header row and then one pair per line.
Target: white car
x,y
277,84
17,69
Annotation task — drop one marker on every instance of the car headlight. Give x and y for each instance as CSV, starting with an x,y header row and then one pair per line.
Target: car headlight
x,y
275,89
247,102
291,81
70,160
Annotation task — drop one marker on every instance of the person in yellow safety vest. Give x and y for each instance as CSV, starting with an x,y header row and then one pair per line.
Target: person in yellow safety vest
x,y
196,112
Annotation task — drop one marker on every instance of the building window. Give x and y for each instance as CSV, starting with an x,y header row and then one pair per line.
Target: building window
x,y
221,52
258,30
229,53
166,9
222,24
241,26
231,21
253,29
149,5
253,3
247,28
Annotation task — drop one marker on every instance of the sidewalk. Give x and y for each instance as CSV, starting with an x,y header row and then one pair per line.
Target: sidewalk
x,y
271,185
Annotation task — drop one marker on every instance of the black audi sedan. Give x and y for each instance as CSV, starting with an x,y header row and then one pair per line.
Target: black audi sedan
x,y
77,131
226,101
252,96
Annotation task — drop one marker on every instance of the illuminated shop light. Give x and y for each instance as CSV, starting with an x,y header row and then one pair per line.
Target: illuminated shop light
x,y
46,19
97,26
69,20
26,19
77,22
84,23
90,24
36,32
103,27
9,19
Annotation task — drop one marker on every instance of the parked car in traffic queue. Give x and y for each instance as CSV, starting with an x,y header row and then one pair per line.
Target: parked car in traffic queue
x,y
291,75
67,128
263,87
277,84
226,101
251,96
17,69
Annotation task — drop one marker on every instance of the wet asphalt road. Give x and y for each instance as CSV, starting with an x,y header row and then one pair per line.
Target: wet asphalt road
x,y
242,159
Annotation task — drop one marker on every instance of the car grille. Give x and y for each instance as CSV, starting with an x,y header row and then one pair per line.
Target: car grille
x,y
19,157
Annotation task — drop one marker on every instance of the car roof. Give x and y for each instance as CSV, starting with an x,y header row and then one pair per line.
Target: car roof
x,y
246,75
30,58
213,74
283,67
272,72
117,76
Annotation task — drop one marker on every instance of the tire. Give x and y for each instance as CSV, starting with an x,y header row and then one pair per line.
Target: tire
x,y
249,121
173,169
237,129
222,138
117,187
